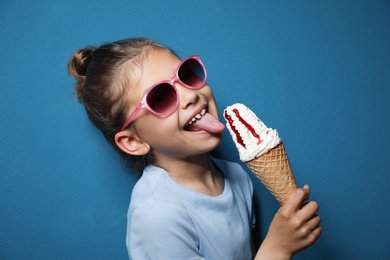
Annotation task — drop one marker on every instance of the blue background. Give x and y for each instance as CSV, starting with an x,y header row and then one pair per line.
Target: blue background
x,y
318,71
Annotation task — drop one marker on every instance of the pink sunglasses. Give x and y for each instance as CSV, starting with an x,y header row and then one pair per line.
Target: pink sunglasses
x,y
162,98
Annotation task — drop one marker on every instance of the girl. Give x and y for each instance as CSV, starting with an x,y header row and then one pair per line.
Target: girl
x,y
160,114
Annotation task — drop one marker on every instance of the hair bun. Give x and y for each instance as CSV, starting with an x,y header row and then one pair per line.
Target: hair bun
x,y
79,61
78,65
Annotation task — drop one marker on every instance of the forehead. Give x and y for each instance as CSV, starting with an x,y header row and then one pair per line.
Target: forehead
x,y
156,66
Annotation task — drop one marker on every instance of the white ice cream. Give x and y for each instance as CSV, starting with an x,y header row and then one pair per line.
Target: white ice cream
x,y
254,137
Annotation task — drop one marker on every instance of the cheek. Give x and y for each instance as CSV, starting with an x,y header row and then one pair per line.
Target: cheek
x,y
151,128
206,91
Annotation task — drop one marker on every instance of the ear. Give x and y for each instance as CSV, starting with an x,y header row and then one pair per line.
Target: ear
x,y
129,143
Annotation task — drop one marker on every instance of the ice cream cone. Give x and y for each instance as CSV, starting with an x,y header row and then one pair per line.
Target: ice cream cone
x,y
262,150
274,171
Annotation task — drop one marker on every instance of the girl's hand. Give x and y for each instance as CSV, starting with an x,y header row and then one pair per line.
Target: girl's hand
x,y
294,227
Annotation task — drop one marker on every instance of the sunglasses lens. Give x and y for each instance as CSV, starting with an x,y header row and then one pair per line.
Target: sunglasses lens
x,y
162,99
192,73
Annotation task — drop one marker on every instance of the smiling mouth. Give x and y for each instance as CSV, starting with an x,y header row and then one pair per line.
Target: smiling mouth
x,y
204,122
195,118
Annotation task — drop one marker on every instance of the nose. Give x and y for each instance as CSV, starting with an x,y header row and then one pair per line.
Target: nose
x,y
187,96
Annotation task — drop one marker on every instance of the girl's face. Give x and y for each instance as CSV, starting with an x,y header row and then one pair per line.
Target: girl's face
x,y
171,137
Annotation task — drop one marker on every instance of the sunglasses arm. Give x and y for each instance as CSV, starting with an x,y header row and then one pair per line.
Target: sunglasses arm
x,y
132,116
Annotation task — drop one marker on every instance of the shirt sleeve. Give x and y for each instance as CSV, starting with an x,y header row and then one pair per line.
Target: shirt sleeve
x,y
161,230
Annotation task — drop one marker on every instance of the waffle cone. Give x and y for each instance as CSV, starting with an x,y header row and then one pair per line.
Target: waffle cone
x,y
274,171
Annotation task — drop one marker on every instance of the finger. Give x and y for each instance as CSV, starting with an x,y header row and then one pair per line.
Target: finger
x,y
312,230
308,227
295,201
315,234
307,189
314,222
308,210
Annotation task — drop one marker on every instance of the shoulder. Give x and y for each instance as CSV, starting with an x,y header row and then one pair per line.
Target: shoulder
x,y
151,184
153,202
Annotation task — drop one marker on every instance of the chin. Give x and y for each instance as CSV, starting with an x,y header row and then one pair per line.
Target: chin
x,y
218,139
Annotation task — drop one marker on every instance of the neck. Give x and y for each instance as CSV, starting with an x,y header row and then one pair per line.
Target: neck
x,y
197,173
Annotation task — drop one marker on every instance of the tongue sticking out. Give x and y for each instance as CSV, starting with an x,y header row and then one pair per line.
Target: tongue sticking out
x,y
208,123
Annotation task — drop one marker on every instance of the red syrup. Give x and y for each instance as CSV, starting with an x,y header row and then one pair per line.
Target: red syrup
x,y
250,128
238,137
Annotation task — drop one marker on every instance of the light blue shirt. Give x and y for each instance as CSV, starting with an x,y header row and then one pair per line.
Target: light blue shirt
x,y
169,221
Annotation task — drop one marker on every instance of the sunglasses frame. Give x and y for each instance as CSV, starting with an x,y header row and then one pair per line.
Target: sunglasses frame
x,y
172,81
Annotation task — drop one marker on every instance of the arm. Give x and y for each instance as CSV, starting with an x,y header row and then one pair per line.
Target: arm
x,y
294,227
